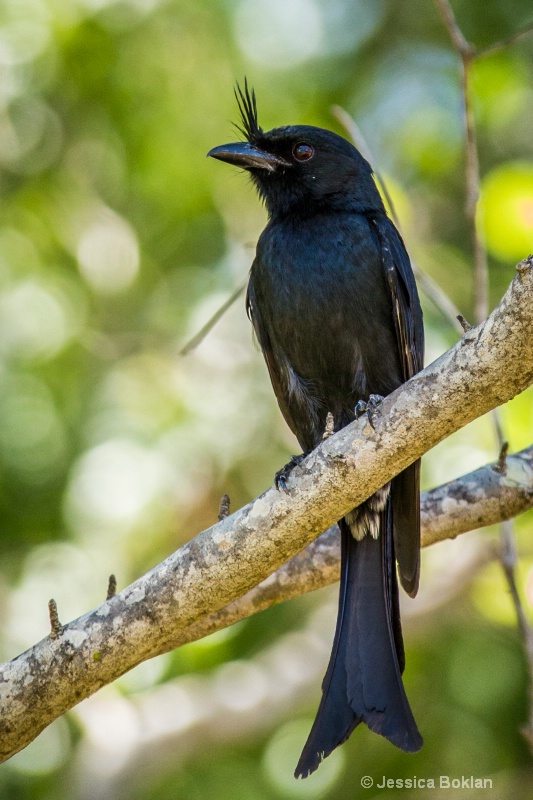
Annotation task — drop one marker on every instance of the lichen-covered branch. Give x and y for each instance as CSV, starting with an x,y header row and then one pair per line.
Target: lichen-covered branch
x,y
180,719
484,497
490,365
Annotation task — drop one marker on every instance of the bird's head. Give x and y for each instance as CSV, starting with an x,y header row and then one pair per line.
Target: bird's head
x,y
299,168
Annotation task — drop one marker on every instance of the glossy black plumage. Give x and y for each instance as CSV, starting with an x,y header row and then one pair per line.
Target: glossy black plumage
x,y
334,305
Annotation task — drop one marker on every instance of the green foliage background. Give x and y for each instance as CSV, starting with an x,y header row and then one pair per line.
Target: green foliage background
x,y
118,239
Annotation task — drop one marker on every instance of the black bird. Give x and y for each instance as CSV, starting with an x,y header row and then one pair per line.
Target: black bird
x,y
335,309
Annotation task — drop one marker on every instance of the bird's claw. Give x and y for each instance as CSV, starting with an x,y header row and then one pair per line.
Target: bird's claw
x,y
280,479
370,407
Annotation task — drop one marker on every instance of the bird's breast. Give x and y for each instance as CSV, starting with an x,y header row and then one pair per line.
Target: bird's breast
x,y
320,273
322,297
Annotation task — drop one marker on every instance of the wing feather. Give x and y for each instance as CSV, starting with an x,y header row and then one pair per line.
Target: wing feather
x,y
275,370
409,329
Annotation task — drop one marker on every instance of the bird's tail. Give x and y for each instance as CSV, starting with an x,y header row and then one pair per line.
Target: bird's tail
x,y
363,682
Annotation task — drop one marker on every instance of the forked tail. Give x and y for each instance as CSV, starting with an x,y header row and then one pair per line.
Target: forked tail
x,y
363,682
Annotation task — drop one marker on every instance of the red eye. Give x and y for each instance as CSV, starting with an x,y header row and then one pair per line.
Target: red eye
x,y
303,152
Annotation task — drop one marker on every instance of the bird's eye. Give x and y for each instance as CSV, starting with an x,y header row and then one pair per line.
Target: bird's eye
x,y
303,152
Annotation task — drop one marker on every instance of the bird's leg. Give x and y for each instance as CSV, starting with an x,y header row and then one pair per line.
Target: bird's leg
x,y
370,407
280,478
281,475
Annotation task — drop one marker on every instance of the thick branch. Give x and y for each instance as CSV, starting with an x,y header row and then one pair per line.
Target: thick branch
x,y
186,716
483,497
489,366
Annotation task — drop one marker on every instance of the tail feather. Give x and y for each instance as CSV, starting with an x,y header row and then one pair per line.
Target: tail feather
x,y
335,719
405,498
363,681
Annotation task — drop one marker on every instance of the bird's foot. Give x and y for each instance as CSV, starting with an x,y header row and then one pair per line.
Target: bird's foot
x,y
370,407
280,479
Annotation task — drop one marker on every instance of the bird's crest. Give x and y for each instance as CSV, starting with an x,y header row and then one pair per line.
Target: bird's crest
x,y
248,109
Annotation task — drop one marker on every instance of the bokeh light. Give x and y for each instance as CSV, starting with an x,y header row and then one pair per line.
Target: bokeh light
x,y
281,755
506,210
46,754
279,34
36,321
108,253
33,439
118,241
114,484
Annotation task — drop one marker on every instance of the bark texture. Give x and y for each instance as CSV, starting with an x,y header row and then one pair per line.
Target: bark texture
x,y
490,365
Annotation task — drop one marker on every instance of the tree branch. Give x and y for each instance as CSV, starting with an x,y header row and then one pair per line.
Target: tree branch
x,y
180,719
198,337
463,47
495,47
483,497
467,53
489,366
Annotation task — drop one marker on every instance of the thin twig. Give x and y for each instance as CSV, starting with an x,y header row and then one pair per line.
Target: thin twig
x,y
509,559
490,49
501,465
508,551
356,134
481,267
224,507
438,296
429,286
210,324
463,47
55,625
465,325
467,54
111,587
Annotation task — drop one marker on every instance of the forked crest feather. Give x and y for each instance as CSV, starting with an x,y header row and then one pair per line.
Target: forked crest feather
x,y
248,110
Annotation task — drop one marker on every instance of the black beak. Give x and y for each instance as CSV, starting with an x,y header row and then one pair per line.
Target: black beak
x,y
247,156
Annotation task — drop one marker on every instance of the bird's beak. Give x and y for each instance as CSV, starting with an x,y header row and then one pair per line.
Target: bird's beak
x,y
247,156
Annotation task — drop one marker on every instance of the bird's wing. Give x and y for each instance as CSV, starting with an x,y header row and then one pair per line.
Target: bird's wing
x,y
405,302
275,369
410,337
